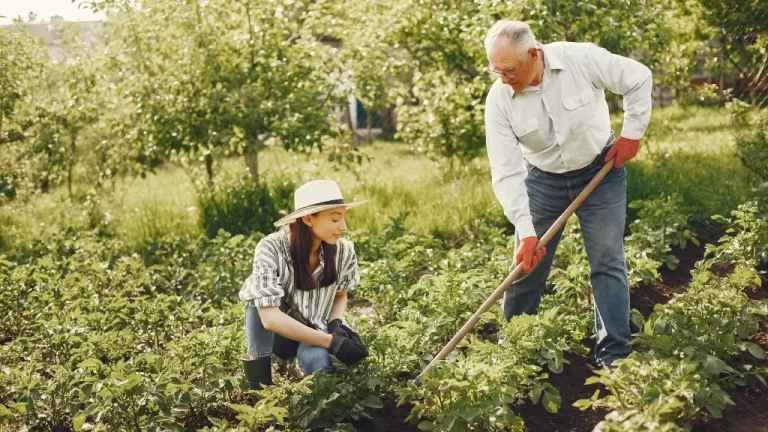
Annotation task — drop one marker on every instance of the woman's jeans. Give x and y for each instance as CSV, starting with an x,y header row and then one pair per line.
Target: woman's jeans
x,y
602,217
263,343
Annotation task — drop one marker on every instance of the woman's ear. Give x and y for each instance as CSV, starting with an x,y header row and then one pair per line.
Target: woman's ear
x,y
307,220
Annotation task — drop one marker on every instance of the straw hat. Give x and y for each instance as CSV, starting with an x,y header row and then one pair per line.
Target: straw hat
x,y
314,197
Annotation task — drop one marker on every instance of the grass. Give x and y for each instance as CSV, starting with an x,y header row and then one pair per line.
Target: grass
x,y
687,150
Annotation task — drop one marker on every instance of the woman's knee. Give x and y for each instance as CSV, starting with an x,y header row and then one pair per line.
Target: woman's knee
x,y
258,339
312,358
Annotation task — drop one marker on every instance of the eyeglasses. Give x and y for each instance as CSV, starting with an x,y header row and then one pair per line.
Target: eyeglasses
x,y
511,74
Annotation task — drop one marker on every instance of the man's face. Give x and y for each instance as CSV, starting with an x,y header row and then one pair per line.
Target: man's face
x,y
514,71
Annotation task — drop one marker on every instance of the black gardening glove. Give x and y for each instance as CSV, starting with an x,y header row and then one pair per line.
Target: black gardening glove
x,y
346,349
336,326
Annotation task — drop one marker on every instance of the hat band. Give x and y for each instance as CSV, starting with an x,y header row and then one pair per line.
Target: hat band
x,y
335,201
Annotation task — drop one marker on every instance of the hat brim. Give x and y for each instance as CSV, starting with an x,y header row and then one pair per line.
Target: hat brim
x,y
314,209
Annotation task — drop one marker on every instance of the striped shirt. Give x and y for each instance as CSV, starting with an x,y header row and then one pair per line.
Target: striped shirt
x,y
272,284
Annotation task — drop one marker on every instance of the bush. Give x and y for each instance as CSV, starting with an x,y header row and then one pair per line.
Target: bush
x,y
242,206
707,95
751,137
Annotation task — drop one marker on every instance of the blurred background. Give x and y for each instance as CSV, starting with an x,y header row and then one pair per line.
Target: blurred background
x,y
147,113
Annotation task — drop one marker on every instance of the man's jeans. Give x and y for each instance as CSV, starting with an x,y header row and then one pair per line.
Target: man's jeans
x,y
602,216
263,343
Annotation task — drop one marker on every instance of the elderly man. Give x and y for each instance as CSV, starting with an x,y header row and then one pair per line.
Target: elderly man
x,y
548,134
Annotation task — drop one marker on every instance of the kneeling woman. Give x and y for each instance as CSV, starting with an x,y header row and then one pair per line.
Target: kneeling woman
x,y
297,294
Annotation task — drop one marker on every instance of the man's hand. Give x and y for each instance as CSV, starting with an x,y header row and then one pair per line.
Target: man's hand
x,y
528,255
623,149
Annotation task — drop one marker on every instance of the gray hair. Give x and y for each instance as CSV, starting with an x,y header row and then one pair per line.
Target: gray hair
x,y
518,33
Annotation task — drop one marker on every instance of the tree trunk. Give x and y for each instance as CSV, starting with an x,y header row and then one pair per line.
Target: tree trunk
x,y
209,167
661,96
45,184
369,125
72,160
251,158
388,123
724,52
348,115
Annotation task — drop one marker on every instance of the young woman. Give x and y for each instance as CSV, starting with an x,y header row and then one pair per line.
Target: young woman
x,y
297,294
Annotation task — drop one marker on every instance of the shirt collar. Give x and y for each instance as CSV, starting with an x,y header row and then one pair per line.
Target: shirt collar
x,y
551,60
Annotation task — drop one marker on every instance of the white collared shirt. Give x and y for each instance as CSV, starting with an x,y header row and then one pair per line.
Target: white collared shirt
x,y
562,124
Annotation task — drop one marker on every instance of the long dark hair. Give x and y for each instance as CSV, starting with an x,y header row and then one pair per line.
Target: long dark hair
x,y
301,247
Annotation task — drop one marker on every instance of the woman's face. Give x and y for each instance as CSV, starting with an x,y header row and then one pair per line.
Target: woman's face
x,y
328,225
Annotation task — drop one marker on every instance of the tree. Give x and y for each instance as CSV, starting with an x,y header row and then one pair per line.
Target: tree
x,y
377,68
442,113
22,62
738,32
220,75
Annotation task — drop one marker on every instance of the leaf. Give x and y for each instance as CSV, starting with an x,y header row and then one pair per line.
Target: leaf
x,y
637,318
714,365
715,410
78,421
535,394
583,404
592,380
90,363
552,400
372,401
755,350
426,425
469,414
5,413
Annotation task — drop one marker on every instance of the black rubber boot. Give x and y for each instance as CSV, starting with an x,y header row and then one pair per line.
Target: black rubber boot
x,y
258,372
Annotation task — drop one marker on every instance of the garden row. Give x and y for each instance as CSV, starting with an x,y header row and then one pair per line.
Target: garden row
x,y
100,337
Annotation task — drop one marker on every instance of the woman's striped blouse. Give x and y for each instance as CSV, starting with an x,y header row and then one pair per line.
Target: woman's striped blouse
x,y
272,284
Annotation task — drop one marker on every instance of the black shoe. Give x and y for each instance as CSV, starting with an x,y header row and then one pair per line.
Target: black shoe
x,y
258,372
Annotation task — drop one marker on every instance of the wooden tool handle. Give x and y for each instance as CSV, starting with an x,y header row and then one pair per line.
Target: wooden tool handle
x,y
518,270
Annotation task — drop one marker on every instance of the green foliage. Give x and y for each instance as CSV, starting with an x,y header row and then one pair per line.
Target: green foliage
x,y
469,396
448,119
751,137
708,95
745,239
242,206
662,224
681,368
234,75
741,32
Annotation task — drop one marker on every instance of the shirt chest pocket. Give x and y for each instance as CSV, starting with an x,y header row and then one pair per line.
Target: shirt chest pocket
x,y
527,132
580,110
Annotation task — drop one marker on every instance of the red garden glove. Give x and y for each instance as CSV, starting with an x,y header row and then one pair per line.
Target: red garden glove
x,y
624,149
528,255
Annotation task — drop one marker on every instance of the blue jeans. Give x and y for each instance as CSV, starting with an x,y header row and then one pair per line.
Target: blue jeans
x,y
263,343
602,217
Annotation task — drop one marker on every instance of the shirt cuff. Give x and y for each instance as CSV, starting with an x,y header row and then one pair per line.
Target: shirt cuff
x,y
524,227
268,301
633,131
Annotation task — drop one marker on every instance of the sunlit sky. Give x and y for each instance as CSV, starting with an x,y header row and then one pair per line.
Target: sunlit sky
x,y
45,9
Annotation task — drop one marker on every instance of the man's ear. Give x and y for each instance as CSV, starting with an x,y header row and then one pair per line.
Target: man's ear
x,y
534,52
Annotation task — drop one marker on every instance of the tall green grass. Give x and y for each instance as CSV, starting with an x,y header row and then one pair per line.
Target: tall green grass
x,y
690,151
687,150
